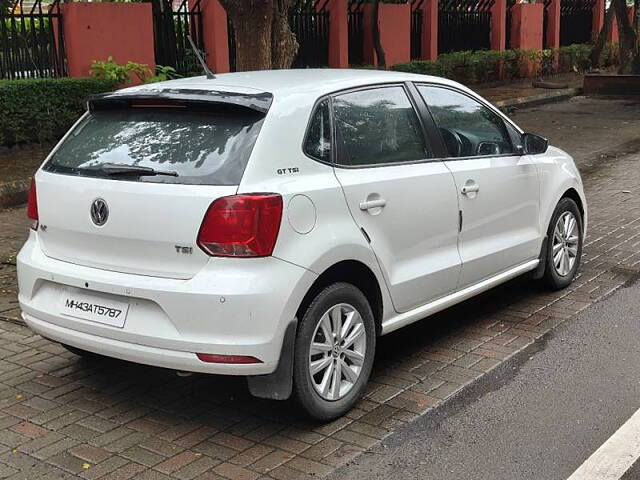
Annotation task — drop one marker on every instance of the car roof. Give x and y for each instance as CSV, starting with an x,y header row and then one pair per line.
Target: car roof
x,y
282,83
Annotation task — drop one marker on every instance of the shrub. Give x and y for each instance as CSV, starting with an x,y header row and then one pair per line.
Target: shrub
x,y
485,65
42,110
110,70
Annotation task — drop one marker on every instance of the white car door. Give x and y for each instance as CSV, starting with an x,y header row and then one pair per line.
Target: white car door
x,y
404,202
498,188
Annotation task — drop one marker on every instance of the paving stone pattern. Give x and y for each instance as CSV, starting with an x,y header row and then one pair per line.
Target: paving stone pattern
x,y
61,416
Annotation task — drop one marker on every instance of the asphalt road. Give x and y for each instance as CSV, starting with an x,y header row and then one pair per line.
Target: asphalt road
x,y
536,417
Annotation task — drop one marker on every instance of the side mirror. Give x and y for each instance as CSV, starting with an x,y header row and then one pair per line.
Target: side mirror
x,y
534,144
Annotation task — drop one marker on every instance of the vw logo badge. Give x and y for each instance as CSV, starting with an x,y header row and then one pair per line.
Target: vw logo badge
x,y
99,212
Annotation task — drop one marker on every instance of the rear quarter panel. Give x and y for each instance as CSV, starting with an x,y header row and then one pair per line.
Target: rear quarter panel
x,y
317,229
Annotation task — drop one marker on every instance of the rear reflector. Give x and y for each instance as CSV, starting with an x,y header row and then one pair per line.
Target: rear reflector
x,y
236,359
241,226
32,205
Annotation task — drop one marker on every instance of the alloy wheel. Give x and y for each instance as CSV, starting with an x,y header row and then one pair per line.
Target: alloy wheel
x,y
337,353
565,244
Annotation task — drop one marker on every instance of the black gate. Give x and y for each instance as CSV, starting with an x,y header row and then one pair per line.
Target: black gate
x,y
576,17
171,27
464,25
509,22
309,21
32,42
545,24
355,21
416,29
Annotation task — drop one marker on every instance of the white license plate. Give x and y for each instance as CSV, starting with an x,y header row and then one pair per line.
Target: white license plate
x,y
94,306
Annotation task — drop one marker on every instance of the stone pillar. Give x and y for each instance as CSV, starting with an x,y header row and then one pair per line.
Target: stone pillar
x,y
96,31
553,26
526,26
499,25
430,30
395,33
338,34
598,17
215,36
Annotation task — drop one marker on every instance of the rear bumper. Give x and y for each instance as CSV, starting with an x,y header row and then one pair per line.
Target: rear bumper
x,y
231,307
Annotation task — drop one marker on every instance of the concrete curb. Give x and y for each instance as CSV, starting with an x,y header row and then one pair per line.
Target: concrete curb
x,y
14,193
541,98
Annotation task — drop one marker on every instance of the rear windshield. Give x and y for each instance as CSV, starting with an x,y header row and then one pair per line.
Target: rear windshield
x,y
207,145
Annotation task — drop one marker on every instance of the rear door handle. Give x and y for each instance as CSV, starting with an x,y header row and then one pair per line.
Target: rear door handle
x,y
369,204
472,188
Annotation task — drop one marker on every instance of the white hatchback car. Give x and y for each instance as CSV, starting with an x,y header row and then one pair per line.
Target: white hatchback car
x,y
274,224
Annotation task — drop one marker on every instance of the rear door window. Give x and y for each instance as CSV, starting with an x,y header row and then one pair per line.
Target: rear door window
x,y
208,145
377,126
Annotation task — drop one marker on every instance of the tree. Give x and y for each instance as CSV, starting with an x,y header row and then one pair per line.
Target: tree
x,y
377,44
629,33
263,37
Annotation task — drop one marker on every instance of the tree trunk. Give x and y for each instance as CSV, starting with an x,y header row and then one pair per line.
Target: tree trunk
x,y
284,45
628,43
602,38
263,37
377,44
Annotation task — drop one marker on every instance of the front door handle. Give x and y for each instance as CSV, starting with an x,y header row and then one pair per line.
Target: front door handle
x,y
470,188
369,204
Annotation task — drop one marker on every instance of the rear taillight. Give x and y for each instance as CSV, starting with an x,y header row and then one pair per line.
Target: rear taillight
x,y
32,205
241,226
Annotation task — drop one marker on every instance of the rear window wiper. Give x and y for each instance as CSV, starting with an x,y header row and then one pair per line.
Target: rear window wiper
x,y
122,169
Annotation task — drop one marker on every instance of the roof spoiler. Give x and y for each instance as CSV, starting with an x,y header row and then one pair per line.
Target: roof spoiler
x,y
260,102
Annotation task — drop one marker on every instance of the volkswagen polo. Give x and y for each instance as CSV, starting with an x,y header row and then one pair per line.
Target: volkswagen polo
x,y
274,224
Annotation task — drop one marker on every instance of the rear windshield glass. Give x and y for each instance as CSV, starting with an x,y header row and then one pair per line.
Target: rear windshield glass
x,y
210,145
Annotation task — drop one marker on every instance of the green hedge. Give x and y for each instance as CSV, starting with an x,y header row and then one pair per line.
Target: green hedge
x,y
43,109
484,65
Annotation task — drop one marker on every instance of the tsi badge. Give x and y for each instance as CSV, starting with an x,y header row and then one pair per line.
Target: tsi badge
x,y
99,212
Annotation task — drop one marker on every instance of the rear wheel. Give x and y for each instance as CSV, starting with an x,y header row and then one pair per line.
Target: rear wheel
x,y
564,245
335,346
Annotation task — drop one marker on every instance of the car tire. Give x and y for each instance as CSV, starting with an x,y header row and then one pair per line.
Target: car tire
x,y
564,250
82,353
348,354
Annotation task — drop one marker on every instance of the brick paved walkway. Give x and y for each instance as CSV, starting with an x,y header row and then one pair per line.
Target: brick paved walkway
x,y
64,417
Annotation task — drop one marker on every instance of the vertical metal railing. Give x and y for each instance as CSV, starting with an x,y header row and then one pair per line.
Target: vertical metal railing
x,y
32,41
309,21
355,20
576,17
509,22
464,25
416,28
172,25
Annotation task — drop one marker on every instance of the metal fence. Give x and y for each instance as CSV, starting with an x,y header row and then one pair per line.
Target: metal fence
x,y
171,27
545,23
464,25
355,23
309,21
576,17
416,29
32,41
509,22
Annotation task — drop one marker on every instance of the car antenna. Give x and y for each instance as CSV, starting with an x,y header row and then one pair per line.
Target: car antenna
x,y
206,69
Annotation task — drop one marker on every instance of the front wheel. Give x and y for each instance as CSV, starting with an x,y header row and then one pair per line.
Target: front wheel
x,y
564,245
334,351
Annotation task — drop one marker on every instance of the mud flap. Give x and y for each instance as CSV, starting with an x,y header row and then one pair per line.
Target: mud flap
x,y
279,384
538,273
